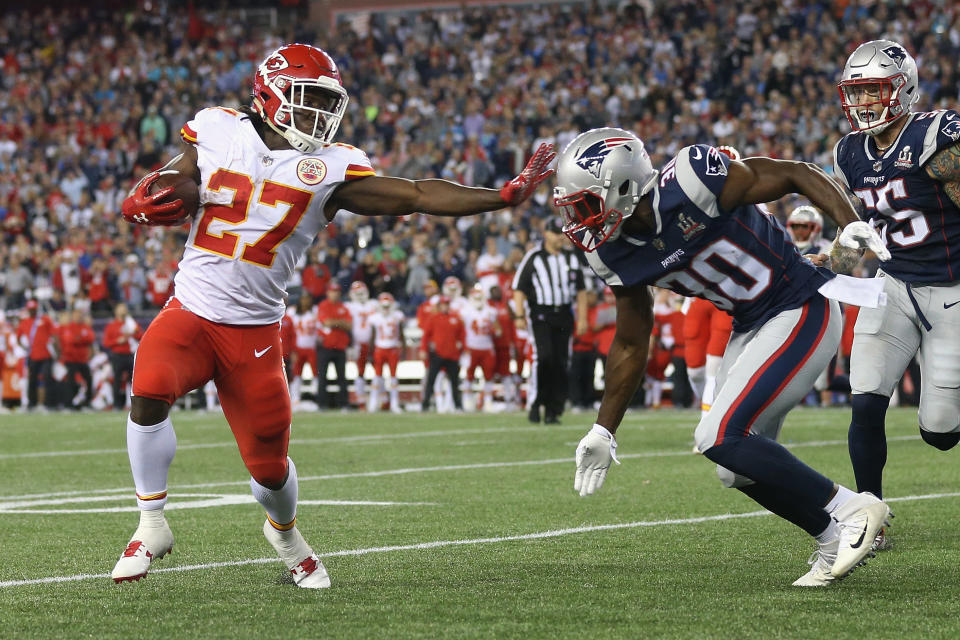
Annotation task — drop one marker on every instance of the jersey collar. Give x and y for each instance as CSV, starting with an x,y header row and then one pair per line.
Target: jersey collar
x,y
896,143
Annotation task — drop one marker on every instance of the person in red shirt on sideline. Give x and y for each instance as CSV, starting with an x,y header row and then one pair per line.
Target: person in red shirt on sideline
x,y
682,394
443,340
121,337
603,320
316,276
429,305
480,323
388,343
306,328
503,343
11,365
76,340
37,335
334,327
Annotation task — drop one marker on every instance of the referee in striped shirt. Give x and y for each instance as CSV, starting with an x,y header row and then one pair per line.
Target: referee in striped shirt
x,y
549,280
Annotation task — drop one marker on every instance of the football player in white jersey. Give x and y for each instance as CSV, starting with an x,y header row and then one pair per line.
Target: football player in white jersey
x,y
388,343
305,328
270,178
361,307
480,322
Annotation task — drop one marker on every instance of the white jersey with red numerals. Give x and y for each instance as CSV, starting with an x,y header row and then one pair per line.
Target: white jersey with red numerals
x,y
259,211
360,313
479,324
387,328
305,326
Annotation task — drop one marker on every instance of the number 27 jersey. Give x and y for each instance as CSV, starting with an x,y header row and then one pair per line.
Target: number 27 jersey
x,y
260,209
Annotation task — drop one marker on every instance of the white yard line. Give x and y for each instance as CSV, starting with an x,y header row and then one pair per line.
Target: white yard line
x,y
373,438
540,535
412,470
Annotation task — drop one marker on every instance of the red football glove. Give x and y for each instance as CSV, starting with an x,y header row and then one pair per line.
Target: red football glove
x,y
520,188
142,207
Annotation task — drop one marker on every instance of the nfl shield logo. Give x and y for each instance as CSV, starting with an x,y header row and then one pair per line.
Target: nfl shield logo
x,y
877,165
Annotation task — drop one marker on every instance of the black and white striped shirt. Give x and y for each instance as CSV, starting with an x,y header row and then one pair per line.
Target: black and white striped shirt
x,y
549,280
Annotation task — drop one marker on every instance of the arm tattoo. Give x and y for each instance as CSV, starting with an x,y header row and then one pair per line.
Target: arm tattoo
x,y
945,167
855,201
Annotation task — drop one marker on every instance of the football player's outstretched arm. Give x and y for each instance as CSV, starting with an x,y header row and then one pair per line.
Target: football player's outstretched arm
x,y
757,180
624,371
627,359
945,167
385,196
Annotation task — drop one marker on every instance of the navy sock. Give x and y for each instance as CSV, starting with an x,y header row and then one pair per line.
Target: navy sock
x,y
810,518
867,441
767,462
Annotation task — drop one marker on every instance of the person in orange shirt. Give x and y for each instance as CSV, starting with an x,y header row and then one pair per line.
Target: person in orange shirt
x,y
334,325
37,336
76,340
443,340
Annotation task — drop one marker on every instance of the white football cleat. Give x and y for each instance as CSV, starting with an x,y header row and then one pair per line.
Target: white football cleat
x,y
307,570
859,521
151,541
820,564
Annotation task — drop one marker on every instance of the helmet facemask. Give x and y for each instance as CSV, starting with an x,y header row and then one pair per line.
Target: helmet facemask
x,y
586,221
863,98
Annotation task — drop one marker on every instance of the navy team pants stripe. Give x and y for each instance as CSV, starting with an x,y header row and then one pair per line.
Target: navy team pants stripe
x,y
777,372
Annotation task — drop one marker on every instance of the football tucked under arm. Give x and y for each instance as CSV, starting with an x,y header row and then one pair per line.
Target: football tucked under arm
x,y
843,259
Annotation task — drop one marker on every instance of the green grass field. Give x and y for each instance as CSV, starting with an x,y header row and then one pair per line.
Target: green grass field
x,y
460,526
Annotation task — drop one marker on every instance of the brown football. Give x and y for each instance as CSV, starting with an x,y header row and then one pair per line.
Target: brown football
x,y
184,188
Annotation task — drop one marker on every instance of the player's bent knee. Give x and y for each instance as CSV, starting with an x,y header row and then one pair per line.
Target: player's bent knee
x,y
732,480
942,441
269,473
147,411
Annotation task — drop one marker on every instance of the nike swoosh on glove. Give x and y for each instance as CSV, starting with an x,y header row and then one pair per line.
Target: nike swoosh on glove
x,y
595,452
521,187
860,235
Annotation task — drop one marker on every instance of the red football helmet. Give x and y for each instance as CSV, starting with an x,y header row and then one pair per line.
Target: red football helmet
x,y
298,93
386,301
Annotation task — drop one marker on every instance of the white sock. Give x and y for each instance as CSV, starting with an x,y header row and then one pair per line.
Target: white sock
x,y
829,534
295,385
697,377
843,494
151,450
280,504
394,394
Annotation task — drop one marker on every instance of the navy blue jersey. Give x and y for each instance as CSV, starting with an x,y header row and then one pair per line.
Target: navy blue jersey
x,y
740,260
918,221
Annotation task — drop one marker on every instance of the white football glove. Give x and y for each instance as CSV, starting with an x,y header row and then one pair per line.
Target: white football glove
x,y
860,235
594,454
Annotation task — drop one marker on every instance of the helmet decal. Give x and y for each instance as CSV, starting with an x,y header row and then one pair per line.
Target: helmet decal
x,y
897,54
593,156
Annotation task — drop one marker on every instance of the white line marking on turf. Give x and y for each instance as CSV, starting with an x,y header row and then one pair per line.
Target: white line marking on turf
x,y
540,535
209,500
295,441
411,470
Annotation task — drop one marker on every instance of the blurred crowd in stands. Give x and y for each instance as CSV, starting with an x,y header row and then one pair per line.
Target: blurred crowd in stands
x,y
93,98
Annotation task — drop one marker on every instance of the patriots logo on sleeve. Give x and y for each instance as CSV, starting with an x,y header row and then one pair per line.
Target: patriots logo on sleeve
x,y
593,156
952,130
896,54
715,166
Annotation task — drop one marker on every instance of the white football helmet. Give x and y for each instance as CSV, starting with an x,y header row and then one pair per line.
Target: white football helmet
x,y
601,176
452,288
386,301
359,291
879,85
806,215
477,297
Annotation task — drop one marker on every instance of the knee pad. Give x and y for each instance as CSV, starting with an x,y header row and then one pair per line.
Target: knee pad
x,y
731,480
942,441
